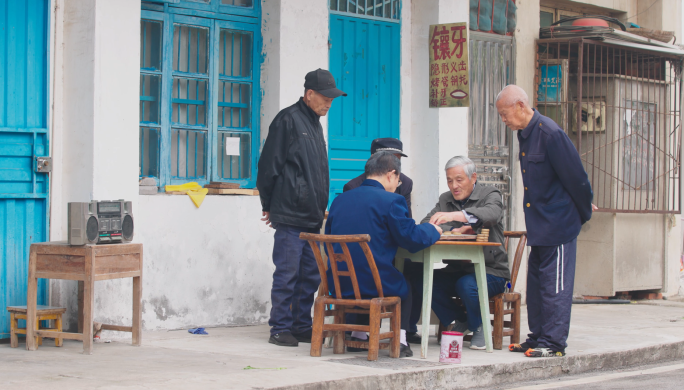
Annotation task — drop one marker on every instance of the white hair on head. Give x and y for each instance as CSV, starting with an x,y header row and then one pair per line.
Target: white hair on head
x,y
461,161
512,94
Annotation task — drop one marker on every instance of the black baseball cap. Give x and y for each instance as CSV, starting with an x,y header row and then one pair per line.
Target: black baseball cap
x,y
391,145
323,82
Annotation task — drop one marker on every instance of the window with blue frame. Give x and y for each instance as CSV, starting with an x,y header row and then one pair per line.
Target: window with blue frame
x,y
198,109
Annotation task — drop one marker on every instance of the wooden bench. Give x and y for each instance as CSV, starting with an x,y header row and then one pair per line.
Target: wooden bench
x,y
44,313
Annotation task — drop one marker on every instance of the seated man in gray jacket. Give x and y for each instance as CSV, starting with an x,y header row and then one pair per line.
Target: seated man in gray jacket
x,y
467,208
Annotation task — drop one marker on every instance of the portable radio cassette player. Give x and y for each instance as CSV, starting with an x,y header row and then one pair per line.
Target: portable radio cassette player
x,y
100,222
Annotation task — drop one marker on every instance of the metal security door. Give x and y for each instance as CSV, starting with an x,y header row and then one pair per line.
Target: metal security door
x,y
491,68
23,136
365,60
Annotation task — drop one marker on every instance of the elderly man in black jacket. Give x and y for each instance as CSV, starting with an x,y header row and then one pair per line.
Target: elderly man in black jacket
x,y
467,208
293,182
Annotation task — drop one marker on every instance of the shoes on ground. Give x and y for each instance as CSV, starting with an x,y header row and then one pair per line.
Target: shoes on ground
x,y
519,347
304,337
283,339
543,352
353,349
405,350
478,340
458,326
413,338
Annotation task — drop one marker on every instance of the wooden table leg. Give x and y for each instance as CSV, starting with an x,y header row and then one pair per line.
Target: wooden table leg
x,y
88,295
427,302
80,306
483,295
137,314
31,302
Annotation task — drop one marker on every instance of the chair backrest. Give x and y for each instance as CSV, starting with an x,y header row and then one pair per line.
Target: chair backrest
x,y
345,257
519,251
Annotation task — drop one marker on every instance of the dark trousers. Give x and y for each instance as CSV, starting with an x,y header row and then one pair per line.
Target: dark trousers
x,y
447,285
550,280
364,319
295,280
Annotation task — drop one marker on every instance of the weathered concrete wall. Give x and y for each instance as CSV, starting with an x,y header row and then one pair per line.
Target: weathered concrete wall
x,y
295,35
436,135
206,266
95,125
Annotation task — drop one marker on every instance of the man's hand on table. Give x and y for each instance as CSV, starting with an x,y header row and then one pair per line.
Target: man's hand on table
x,y
442,217
467,229
439,229
267,218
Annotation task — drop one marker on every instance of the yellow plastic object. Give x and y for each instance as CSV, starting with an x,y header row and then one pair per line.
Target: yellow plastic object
x,y
194,191
197,196
183,187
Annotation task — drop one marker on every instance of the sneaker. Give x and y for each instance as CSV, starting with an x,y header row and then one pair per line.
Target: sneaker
x,y
478,340
405,350
304,337
519,347
353,349
413,338
543,352
458,326
283,339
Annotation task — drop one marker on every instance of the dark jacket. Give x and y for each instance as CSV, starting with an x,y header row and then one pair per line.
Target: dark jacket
x,y
369,209
558,194
293,178
485,204
404,189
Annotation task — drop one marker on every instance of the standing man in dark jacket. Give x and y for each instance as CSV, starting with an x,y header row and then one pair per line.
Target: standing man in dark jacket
x,y
293,182
468,207
557,202
395,147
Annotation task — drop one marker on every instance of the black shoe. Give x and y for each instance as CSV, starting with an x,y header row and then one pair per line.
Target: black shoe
x,y
353,349
283,339
405,350
304,337
413,338
519,347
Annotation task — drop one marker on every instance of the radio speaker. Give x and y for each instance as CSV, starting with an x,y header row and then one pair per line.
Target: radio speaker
x,y
127,224
82,223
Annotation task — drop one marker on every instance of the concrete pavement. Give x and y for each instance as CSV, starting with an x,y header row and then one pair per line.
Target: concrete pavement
x,y
602,337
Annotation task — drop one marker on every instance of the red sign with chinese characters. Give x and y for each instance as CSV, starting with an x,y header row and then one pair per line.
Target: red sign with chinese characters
x,y
449,65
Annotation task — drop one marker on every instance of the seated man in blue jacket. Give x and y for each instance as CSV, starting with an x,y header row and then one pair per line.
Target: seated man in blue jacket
x,y
374,209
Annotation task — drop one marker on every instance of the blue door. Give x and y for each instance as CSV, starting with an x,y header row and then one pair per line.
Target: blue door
x,y
365,60
23,135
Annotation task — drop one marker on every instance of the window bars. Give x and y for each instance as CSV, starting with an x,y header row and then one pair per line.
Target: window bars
x,y
388,10
621,107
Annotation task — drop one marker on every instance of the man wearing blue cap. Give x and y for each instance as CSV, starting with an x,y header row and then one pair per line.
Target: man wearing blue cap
x,y
293,182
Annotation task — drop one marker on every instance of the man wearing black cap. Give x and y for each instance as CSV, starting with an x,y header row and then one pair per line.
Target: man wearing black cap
x,y
293,182
395,147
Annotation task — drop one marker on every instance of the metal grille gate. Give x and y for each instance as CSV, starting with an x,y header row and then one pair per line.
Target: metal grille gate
x,y
621,107
491,68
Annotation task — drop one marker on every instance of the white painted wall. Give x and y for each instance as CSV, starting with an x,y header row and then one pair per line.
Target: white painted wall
x,y
295,34
95,123
202,267
437,134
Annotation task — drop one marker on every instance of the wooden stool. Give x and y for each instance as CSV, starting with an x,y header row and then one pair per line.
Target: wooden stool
x,y
44,313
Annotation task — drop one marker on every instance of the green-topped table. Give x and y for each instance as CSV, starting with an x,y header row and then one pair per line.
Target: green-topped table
x,y
450,250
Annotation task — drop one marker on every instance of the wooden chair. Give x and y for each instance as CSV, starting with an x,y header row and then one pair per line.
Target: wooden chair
x,y
44,313
377,308
500,327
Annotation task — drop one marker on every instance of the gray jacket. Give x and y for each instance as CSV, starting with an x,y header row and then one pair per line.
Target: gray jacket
x,y
485,204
